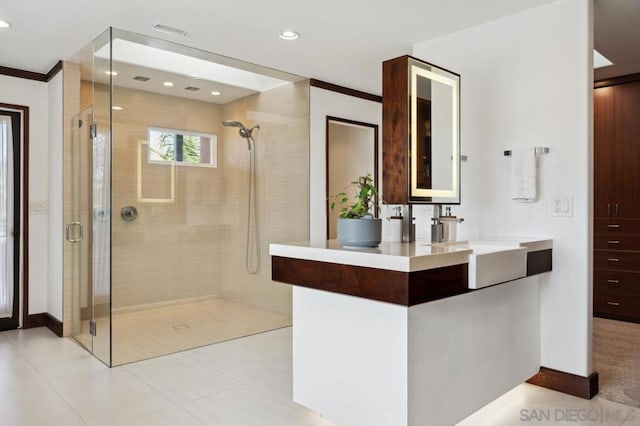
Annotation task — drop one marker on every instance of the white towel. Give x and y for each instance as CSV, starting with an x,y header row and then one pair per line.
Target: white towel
x,y
523,175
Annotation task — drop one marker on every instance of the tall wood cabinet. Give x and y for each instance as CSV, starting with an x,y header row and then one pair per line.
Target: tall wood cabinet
x,y
616,286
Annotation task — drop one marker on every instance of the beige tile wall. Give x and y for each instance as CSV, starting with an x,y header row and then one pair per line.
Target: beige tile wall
x,y
170,251
282,158
195,245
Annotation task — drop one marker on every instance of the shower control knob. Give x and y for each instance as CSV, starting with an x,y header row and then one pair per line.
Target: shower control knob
x,y
129,213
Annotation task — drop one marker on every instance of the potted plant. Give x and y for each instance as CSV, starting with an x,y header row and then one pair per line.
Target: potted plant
x,y
357,227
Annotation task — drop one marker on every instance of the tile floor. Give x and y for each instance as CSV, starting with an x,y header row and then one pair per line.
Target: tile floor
x,y
45,380
153,332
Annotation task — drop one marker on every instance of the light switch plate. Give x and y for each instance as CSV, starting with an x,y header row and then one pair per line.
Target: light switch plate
x,y
562,206
38,207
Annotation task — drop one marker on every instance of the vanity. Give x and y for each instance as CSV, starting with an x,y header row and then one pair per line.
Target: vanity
x,y
414,333
395,335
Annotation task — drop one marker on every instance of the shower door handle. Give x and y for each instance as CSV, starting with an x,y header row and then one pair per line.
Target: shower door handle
x,y
80,233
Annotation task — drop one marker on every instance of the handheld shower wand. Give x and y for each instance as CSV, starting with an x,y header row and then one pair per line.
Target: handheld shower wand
x,y
252,208
244,132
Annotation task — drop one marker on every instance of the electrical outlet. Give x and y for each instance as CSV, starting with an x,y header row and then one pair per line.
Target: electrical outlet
x,y
562,206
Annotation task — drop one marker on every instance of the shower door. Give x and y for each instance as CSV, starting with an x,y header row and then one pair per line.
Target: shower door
x,y
88,232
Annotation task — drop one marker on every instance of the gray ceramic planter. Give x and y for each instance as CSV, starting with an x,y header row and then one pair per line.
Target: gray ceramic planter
x,y
365,232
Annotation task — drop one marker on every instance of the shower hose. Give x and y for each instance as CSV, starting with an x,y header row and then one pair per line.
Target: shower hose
x,y
252,213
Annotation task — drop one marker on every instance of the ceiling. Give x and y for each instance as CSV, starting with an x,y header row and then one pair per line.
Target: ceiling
x,y
342,42
617,36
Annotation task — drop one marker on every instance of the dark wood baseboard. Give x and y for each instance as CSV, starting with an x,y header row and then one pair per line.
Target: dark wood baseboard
x,y
54,325
582,387
43,320
616,317
35,320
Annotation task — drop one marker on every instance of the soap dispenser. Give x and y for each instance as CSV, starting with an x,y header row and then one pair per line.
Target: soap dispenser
x,y
395,226
449,224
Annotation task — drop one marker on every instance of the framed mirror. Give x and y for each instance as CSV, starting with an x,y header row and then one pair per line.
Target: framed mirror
x,y
435,133
421,141
352,151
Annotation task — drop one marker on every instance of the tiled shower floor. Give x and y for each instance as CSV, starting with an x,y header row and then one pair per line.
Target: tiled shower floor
x,y
160,331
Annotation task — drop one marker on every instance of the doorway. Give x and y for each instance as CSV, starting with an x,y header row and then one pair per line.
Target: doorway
x,y
11,224
352,151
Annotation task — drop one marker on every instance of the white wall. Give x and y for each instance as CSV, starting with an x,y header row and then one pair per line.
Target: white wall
x,y
326,103
34,94
54,302
526,81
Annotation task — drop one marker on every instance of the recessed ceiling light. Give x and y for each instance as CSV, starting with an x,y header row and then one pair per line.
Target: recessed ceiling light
x,y
111,72
117,108
215,93
288,35
4,24
168,84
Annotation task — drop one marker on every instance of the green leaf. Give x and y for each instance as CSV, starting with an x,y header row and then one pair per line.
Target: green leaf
x,y
366,199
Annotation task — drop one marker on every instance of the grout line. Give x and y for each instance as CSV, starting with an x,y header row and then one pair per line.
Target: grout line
x,y
53,388
195,399
241,385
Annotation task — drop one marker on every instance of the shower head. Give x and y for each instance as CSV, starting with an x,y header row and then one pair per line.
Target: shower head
x,y
231,123
244,132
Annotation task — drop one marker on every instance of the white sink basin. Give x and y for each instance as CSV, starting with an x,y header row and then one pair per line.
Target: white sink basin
x,y
493,262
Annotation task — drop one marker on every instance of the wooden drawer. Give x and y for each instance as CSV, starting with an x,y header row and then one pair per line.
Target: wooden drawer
x,y
620,260
616,283
617,242
628,307
609,226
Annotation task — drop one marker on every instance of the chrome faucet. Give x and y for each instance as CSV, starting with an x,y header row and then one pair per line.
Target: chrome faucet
x,y
408,227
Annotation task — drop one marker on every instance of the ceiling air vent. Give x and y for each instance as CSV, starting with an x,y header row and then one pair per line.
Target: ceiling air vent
x,y
171,30
141,78
193,89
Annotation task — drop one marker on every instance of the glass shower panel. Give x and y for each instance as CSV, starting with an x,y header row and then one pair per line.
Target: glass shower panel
x,y
166,174
79,228
101,197
179,194
160,192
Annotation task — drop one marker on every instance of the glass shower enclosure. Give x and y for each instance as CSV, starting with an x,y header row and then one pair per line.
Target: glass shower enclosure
x,y
157,228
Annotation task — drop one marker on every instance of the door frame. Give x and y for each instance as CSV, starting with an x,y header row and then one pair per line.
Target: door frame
x,y
339,120
22,186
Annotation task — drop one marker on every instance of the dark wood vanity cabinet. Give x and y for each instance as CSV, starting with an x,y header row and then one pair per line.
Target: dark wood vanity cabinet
x,y
616,268
616,279
395,131
420,133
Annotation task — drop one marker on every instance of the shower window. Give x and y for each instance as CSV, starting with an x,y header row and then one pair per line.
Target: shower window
x,y
169,146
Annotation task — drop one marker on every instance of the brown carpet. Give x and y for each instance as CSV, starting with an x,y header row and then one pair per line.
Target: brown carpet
x,y
616,358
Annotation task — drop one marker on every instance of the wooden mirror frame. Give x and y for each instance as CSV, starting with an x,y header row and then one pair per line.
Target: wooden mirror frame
x,y
375,127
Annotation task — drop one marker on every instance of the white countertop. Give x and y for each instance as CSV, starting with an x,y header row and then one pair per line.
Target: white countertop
x,y
404,257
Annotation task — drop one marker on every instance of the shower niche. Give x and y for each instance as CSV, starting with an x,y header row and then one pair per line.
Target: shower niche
x,y
152,140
